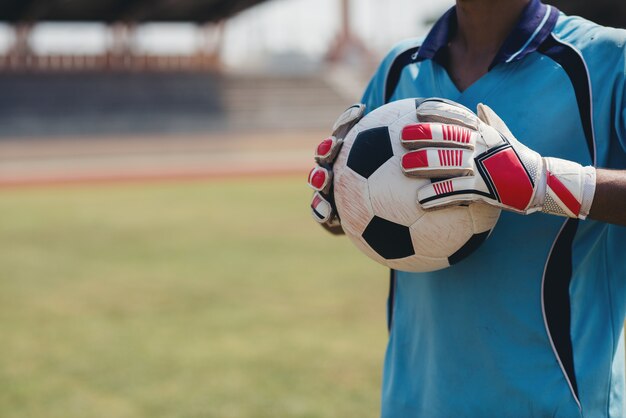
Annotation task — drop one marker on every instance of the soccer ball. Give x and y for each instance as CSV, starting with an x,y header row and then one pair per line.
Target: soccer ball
x,y
377,203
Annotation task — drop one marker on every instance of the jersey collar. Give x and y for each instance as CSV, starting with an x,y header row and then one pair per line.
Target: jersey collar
x,y
535,24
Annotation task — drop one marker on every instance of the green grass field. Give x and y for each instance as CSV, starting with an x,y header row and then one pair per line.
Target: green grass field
x,y
203,299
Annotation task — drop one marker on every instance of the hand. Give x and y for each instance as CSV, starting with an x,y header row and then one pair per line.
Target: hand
x,y
320,178
481,160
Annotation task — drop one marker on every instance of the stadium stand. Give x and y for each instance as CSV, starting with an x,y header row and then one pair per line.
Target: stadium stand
x,y
88,104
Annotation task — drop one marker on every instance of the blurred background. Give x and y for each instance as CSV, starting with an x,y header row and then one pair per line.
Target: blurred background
x,y
157,258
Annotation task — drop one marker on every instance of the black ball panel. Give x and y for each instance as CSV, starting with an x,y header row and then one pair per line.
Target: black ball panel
x,y
370,150
389,239
469,247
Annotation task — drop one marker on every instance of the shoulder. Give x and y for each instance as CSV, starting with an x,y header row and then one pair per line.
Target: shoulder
x,y
595,41
598,60
398,55
403,49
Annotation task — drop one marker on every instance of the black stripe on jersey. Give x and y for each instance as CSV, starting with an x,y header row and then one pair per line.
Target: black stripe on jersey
x,y
557,275
395,70
574,65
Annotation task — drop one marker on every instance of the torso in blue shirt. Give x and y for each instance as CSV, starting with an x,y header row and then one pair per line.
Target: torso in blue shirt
x,y
530,325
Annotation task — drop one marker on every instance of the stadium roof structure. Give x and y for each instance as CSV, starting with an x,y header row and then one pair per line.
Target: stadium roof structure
x,y
107,11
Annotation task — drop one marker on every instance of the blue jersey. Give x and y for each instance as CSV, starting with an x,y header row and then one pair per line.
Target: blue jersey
x,y
530,325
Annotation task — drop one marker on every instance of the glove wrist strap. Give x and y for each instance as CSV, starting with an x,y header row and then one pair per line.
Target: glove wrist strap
x,y
569,188
589,190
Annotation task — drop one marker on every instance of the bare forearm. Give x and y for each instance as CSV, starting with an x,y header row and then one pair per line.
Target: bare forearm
x,y
609,202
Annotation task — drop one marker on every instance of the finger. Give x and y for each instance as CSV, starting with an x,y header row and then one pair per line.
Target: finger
x,y
321,209
438,162
348,119
320,178
327,150
446,111
448,192
422,135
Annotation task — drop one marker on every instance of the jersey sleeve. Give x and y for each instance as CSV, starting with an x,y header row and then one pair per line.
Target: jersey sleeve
x,y
374,95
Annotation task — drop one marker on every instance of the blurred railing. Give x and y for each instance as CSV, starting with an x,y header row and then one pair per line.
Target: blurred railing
x,y
134,62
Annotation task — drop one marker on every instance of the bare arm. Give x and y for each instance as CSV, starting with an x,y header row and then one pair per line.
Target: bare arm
x,y
609,202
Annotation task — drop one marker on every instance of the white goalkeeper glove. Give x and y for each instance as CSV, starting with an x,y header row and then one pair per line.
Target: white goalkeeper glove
x,y
321,176
482,161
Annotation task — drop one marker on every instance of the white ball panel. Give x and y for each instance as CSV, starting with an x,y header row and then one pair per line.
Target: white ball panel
x,y
342,157
352,201
395,130
394,195
418,264
390,114
484,216
442,232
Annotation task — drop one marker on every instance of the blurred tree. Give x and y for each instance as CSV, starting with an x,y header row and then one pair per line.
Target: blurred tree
x,y
605,12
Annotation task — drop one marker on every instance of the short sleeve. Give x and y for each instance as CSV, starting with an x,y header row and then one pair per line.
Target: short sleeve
x,y
373,97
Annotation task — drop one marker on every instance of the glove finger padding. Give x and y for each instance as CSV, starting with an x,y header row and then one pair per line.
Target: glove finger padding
x,y
320,179
448,192
420,135
321,207
438,162
327,150
324,213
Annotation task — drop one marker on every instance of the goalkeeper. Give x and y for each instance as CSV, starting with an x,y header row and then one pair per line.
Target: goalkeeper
x,y
531,325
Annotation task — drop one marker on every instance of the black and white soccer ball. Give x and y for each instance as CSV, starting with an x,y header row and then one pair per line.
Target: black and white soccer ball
x,y
377,203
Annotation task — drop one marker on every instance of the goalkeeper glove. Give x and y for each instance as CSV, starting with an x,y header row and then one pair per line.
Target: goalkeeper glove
x,y
320,178
481,160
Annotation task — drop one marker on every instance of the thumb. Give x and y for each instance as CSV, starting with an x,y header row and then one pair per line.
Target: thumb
x,y
348,119
487,115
